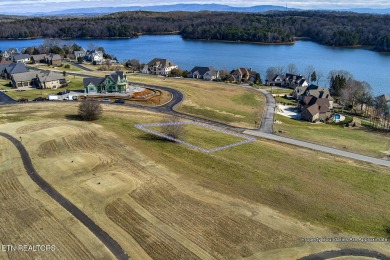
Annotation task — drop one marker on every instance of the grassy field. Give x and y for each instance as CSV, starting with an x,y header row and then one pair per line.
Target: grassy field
x,y
60,69
362,141
217,101
203,137
170,201
76,83
286,101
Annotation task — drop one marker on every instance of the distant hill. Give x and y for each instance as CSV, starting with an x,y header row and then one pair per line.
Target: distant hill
x,y
162,8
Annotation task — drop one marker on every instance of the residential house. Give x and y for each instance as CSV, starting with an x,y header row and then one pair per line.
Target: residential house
x,y
159,66
44,79
293,81
95,56
5,62
300,93
25,79
50,80
39,58
114,83
275,80
54,59
78,54
6,54
21,58
244,75
206,73
315,109
6,71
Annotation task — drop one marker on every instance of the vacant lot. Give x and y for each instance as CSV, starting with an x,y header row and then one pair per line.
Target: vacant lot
x,y
201,136
225,103
164,200
363,141
29,217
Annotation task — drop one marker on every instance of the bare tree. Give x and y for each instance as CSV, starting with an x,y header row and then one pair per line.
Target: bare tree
x,y
90,110
172,127
309,71
271,72
319,77
292,68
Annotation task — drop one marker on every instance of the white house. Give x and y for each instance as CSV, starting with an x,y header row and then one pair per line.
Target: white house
x,y
159,66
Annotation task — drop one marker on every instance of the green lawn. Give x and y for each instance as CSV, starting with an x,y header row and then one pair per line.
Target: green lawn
x,y
76,83
203,137
71,69
222,102
286,101
362,141
312,186
309,185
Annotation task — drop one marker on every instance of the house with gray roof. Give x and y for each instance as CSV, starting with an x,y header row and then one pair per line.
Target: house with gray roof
x,y
7,71
114,83
300,93
206,73
159,66
39,58
44,79
21,58
54,59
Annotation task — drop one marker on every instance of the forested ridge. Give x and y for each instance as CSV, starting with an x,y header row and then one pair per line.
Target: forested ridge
x,y
330,28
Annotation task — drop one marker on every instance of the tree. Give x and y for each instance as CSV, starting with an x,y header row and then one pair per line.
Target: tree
x,y
176,73
172,127
319,77
271,72
292,68
80,59
90,110
309,71
313,76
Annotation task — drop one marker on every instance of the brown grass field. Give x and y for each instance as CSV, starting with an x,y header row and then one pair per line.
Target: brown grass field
x,y
161,200
29,217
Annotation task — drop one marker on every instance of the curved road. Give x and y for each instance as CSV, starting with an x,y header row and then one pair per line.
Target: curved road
x,y
346,252
106,239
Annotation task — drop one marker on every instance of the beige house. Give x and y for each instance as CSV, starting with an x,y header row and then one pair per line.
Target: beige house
x,y
159,66
39,79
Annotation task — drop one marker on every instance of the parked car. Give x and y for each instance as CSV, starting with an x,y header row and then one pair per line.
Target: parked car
x,y
22,100
105,100
39,99
119,101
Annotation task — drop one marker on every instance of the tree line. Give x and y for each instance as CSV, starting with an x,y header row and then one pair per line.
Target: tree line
x,y
330,28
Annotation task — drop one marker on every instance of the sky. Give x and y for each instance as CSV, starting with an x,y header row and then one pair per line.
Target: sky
x,y
54,5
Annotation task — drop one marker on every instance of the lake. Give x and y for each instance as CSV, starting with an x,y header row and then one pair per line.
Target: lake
x,y
365,65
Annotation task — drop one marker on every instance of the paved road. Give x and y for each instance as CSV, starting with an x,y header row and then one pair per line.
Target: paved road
x,y
267,120
5,99
78,65
265,130
319,148
106,239
346,252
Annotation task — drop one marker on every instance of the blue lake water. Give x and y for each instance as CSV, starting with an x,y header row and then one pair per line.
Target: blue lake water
x,y
365,65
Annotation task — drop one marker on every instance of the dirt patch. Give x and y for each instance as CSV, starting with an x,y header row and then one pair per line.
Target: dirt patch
x,y
156,243
33,224
30,128
222,233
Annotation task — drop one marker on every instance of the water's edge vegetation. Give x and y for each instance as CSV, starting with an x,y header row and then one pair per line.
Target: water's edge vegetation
x,y
341,29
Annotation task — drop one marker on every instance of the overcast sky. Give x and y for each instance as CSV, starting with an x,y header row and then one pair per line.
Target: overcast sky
x,y
51,5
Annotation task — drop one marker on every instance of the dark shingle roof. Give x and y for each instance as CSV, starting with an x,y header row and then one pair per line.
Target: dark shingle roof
x,y
16,68
95,81
161,63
